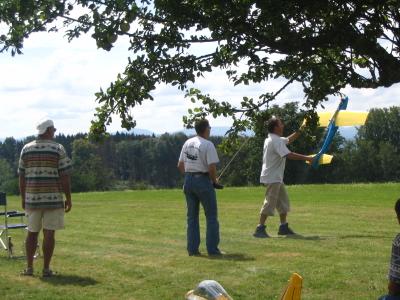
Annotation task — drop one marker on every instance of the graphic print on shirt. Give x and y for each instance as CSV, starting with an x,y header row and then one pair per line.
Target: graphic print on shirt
x,y
192,152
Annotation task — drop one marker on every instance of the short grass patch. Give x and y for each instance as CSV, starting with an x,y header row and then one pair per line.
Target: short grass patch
x,y
132,245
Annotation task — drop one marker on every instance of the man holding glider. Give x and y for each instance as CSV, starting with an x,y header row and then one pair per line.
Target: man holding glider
x,y
198,161
274,158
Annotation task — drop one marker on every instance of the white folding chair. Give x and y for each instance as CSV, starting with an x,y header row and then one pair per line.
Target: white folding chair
x,y
9,224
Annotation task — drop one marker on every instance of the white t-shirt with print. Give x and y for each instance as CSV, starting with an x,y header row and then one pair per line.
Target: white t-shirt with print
x,y
274,159
197,153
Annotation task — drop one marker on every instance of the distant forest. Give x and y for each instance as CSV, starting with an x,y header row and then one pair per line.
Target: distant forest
x,y
127,161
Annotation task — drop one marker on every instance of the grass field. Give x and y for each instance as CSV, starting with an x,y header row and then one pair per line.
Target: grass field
x,y
132,245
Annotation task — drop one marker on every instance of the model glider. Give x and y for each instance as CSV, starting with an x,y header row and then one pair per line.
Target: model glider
x,y
340,117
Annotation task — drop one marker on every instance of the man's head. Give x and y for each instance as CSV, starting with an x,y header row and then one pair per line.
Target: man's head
x,y
202,128
275,125
46,129
397,209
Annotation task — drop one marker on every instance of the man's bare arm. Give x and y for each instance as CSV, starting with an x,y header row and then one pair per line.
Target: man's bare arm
x,y
181,167
212,171
66,186
297,156
293,137
22,189
297,133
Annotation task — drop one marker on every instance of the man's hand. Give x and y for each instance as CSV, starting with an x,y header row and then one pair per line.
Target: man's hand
x,y
68,205
66,186
303,126
217,186
310,159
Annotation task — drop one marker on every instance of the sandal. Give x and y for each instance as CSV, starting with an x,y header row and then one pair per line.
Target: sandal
x,y
48,273
27,272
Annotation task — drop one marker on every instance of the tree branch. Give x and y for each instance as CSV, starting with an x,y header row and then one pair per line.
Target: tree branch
x,y
269,99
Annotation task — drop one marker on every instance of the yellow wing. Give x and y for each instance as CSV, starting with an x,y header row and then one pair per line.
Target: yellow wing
x,y
343,118
323,160
350,118
324,118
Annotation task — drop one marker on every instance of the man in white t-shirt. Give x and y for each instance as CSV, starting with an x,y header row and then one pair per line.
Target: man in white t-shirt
x,y
273,167
198,161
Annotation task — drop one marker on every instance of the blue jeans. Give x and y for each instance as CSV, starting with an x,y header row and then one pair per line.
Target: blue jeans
x,y
199,189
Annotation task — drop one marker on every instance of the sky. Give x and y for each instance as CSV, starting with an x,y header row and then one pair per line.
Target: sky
x,y
57,79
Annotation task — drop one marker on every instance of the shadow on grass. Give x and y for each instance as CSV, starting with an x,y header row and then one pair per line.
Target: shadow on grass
x,y
361,236
60,279
304,237
231,256
21,257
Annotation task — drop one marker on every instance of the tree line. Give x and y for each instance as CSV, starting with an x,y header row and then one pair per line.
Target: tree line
x,y
128,161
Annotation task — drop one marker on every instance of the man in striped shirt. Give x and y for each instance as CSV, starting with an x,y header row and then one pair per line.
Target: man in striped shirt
x,y
44,176
394,267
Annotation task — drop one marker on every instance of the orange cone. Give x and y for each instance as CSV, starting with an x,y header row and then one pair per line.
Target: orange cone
x,y
293,289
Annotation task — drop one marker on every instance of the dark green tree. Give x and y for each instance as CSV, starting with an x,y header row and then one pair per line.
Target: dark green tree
x,y
89,173
129,160
383,124
8,180
166,159
389,160
9,151
323,45
378,146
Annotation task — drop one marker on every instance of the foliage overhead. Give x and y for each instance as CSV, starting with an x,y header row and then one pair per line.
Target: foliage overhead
x,y
323,45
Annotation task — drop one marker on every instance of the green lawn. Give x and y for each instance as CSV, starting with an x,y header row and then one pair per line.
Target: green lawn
x,y
132,245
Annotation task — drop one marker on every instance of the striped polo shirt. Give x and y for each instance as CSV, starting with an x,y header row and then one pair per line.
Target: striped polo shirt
x,y
394,268
42,162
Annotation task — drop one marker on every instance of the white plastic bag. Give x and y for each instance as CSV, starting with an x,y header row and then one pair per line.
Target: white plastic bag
x,y
208,290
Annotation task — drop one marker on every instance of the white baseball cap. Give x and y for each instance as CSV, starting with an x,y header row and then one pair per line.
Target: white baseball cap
x,y
43,125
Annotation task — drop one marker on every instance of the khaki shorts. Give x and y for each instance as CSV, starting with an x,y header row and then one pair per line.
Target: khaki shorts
x,y
275,198
51,219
